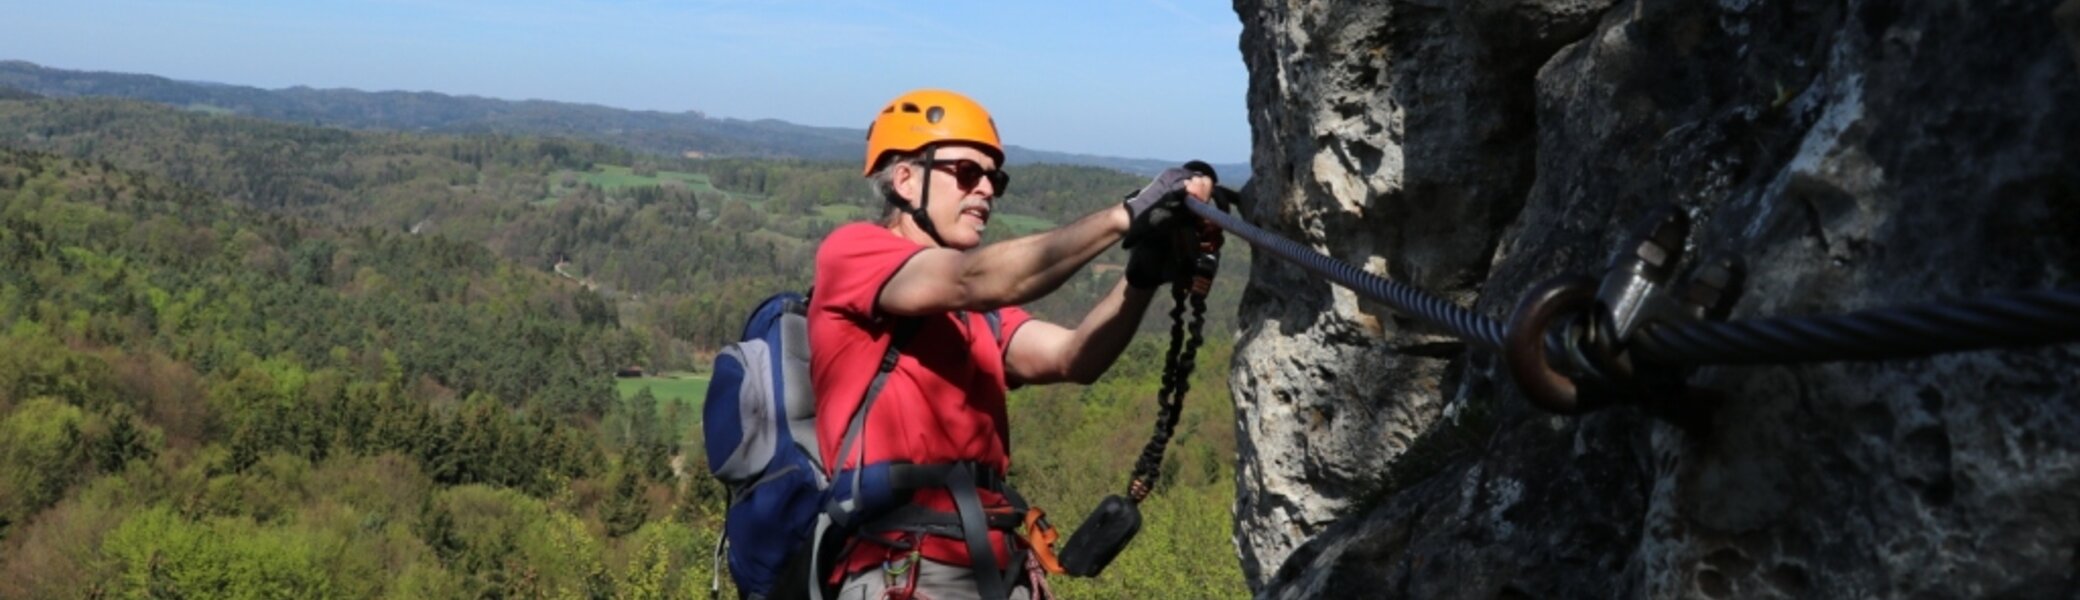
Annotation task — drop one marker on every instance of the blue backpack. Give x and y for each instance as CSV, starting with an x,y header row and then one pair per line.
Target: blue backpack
x,y
759,427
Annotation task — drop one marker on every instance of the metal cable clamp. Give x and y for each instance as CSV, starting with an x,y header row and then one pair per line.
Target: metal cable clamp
x,y
1572,341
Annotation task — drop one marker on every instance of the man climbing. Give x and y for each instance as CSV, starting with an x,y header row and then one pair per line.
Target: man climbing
x,y
920,279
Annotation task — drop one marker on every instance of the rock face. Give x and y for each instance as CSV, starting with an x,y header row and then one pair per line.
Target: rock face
x,y
1855,155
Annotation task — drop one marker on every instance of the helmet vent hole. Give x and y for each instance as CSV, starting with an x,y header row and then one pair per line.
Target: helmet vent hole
x,y
909,108
934,114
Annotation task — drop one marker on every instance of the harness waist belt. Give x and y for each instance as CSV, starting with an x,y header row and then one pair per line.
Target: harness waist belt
x,y
968,521
911,517
910,477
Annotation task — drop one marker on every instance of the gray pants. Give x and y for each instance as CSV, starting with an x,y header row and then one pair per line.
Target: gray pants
x,y
934,581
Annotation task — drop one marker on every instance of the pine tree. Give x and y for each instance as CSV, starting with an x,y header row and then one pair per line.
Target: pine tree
x,y
123,443
627,509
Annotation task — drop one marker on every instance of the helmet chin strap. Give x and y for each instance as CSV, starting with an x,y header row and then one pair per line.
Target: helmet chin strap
x,y
924,200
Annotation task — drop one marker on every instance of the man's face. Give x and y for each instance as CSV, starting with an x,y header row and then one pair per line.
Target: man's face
x,y
962,193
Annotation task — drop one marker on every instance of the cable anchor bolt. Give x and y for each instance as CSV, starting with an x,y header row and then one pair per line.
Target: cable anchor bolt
x,y
1569,344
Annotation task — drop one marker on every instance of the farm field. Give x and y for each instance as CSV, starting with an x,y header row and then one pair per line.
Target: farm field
x,y
614,177
685,388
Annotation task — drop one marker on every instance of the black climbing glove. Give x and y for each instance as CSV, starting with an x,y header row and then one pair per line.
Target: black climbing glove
x,y
1154,261
1160,216
1166,188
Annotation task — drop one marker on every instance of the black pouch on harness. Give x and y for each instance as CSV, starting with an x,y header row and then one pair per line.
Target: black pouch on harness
x,y
807,565
1101,538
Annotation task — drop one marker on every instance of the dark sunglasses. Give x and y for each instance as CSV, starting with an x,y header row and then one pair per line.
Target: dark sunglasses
x,y
968,173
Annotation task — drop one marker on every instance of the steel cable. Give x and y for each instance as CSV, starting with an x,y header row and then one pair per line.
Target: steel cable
x,y
1403,298
2017,319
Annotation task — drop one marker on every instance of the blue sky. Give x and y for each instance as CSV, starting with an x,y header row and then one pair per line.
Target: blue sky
x,y
1134,78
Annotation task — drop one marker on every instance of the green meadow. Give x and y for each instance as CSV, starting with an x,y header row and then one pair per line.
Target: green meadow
x,y
685,388
615,177
1018,225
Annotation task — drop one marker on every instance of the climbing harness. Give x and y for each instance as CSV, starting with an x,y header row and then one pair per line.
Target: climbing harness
x,y
1113,524
1575,344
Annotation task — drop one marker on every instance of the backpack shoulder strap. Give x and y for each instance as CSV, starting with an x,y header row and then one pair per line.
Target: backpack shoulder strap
x,y
856,425
996,325
905,330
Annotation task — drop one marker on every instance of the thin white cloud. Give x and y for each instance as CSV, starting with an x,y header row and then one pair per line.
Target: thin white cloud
x,y
1198,19
919,15
1172,8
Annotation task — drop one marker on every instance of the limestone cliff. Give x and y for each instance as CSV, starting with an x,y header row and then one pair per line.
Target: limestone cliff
x,y
1856,155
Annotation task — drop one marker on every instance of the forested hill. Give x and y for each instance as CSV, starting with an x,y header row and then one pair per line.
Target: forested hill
x,y
202,398
652,132
247,358
683,247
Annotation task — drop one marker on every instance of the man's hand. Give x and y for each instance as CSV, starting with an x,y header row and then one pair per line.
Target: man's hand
x,y
1168,190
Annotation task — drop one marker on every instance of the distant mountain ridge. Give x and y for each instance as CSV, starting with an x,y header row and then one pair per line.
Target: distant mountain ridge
x,y
679,134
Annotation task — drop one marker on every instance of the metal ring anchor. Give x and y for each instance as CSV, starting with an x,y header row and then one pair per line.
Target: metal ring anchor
x,y
1524,348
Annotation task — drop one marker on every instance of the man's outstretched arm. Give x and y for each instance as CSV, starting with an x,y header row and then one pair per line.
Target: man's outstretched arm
x,y
1022,270
1006,273
1043,352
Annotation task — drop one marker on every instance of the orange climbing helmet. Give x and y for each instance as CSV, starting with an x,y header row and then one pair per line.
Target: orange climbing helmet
x,y
923,117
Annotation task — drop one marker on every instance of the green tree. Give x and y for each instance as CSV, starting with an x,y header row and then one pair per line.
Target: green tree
x,y
123,441
39,456
165,556
739,216
627,508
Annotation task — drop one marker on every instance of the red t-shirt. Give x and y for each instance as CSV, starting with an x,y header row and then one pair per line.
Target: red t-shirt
x,y
943,403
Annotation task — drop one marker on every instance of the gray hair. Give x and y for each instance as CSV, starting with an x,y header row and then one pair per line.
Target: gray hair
x,y
883,185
